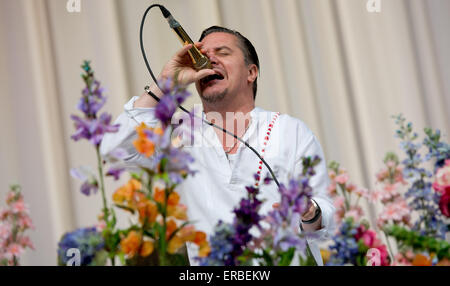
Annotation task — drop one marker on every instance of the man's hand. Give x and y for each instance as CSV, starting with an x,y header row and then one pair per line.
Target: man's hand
x,y
309,214
181,66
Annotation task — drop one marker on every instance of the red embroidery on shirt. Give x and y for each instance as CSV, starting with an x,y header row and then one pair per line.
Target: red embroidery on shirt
x,y
266,140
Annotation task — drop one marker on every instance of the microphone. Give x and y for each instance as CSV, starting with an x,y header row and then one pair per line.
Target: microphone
x,y
199,60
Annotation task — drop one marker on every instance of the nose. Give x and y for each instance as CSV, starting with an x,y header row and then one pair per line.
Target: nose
x,y
210,55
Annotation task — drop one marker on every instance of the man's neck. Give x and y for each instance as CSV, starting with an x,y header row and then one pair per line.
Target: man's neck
x,y
237,105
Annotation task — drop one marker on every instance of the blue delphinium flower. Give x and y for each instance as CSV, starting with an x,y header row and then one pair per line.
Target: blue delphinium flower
x,y
87,241
221,246
344,245
420,195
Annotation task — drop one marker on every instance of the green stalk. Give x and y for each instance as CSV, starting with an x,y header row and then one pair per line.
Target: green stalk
x,y
102,184
102,190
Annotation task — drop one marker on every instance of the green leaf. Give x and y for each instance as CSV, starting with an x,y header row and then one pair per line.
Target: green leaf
x,y
286,257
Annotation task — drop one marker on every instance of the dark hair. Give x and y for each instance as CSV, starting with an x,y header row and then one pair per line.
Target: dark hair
x,y
250,55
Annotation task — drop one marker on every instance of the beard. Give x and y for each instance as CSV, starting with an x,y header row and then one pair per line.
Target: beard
x,y
214,97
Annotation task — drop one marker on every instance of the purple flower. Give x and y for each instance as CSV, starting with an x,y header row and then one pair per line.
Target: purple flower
x,y
115,172
92,101
165,109
89,187
169,102
93,129
85,174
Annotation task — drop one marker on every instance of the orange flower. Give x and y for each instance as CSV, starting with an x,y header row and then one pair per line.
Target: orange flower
x,y
443,262
204,249
187,233
159,195
142,144
178,212
173,199
174,244
130,244
146,248
421,260
147,211
127,193
171,226
200,237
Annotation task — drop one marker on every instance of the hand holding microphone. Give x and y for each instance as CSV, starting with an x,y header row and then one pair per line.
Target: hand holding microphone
x,y
185,67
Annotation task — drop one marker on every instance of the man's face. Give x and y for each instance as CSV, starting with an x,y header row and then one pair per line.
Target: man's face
x,y
228,61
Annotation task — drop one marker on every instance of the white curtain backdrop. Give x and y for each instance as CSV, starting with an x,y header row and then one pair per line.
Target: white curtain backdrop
x,y
342,70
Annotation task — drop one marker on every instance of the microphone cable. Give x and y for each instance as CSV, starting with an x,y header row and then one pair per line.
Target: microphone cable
x,y
147,90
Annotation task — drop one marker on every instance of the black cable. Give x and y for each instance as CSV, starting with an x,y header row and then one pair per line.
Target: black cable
x,y
147,90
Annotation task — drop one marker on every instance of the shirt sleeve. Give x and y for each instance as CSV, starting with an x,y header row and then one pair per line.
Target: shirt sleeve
x,y
310,146
129,120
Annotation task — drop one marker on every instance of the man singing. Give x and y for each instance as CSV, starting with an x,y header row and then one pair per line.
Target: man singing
x,y
224,165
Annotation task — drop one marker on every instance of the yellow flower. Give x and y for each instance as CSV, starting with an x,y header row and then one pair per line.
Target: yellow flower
x,y
325,255
174,244
187,233
146,248
204,249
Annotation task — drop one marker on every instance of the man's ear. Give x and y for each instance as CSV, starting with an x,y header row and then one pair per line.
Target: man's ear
x,y
252,73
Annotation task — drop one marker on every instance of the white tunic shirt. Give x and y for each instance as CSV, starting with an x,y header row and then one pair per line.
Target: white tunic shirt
x,y
218,186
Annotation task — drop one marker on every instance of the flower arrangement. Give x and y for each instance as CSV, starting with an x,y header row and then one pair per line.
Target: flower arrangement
x,y
159,226
414,207
276,237
14,222
413,220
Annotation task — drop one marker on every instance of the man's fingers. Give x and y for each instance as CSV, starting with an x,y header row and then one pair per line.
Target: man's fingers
x,y
183,51
203,73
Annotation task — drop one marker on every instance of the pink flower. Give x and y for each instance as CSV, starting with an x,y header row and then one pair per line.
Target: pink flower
x,y
5,231
25,242
332,189
19,207
10,197
442,177
101,225
341,179
375,195
370,238
390,164
339,202
362,192
382,174
4,214
14,250
396,212
25,222
355,212
444,203
384,256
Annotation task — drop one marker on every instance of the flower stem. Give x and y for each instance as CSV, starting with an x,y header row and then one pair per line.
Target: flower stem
x,y
102,183
391,253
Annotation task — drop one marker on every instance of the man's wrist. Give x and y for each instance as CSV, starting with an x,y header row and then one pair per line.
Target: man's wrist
x,y
317,214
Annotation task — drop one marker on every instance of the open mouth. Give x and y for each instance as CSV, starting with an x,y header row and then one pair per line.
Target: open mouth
x,y
206,80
